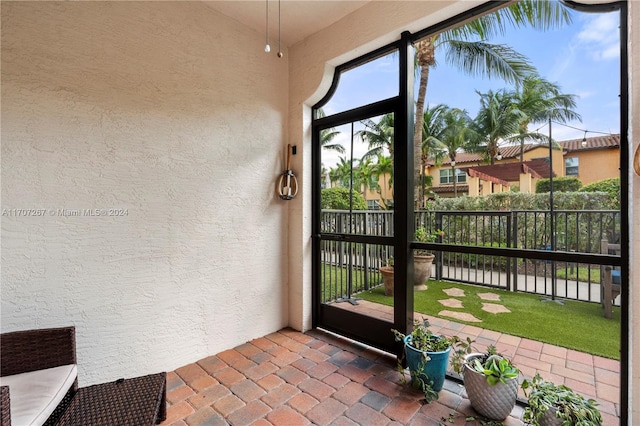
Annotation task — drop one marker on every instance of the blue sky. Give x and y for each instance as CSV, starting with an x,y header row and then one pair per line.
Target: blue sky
x,y
582,58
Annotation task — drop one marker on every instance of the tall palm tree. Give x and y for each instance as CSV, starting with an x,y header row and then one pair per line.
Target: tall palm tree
x,y
456,136
539,100
466,48
497,121
379,136
432,128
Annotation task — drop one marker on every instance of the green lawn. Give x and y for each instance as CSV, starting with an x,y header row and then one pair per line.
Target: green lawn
x,y
575,325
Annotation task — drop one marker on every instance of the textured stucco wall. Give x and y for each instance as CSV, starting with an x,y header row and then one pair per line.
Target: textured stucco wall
x,y
168,110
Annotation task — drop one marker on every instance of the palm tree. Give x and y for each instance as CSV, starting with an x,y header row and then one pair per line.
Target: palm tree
x,y
539,100
365,176
432,129
456,136
384,168
465,47
327,135
341,173
498,119
378,135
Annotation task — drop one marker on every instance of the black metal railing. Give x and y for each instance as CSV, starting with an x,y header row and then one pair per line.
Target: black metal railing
x,y
353,267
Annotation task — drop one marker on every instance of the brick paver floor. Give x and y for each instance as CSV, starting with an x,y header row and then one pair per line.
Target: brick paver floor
x,y
293,378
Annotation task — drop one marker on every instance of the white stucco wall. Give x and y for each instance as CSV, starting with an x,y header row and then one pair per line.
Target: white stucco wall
x,y
174,113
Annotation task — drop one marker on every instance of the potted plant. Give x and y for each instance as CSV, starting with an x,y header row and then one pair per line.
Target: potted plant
x,y
387,277
491,382
427,357
423,259
551,404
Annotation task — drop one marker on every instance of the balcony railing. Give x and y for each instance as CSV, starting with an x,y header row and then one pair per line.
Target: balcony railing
x,y
349,267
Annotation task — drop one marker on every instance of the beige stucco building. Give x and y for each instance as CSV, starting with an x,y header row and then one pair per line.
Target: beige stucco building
x,y
169,120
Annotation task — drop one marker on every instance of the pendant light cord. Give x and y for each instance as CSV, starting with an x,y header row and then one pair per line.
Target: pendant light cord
x,y
280,54
267,48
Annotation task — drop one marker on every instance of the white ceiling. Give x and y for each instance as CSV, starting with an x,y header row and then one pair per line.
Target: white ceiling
x,y
299,18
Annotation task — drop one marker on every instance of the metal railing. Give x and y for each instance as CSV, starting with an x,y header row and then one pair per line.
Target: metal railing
x,y
353,267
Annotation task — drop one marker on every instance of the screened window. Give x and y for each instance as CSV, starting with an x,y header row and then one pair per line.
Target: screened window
x,y
446,176
571,166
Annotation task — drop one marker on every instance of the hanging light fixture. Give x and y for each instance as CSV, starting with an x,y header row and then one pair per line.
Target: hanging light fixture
x,y
267,48
280,54
584,140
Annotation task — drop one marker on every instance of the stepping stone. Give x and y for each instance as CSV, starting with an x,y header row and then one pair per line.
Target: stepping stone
x,y
494,308
462,316
454,292
451,303
489,296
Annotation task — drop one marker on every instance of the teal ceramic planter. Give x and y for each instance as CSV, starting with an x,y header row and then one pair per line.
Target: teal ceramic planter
x,y
434,370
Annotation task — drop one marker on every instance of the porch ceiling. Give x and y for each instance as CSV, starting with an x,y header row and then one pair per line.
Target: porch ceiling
x,y
300,18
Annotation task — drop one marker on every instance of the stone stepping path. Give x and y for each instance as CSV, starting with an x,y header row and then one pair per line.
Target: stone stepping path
x,y
454,292
451,303
493,308
489,296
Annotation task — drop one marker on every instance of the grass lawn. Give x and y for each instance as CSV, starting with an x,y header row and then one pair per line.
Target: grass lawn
x,y
575,325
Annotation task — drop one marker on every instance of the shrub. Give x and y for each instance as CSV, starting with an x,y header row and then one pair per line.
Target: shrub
x,y
560,184
608,186
522,201
338,199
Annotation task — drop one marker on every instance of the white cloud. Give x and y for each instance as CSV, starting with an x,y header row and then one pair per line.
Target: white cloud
x,y
599,37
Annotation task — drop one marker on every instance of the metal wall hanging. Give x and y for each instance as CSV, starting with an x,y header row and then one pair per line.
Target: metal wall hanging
x,y
288,184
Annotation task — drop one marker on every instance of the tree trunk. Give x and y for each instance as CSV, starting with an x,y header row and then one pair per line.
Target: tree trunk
x,y
425,51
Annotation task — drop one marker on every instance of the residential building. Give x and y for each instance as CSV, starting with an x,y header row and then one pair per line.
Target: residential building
x,y
589,159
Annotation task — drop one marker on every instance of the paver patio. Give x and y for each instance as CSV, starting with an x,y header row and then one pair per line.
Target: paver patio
x,y
293,378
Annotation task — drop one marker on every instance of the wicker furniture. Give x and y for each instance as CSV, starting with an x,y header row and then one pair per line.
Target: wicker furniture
x,y
139,401
32,350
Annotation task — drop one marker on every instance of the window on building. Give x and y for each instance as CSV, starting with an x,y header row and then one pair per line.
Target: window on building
x,y
446,176
373,205
571,166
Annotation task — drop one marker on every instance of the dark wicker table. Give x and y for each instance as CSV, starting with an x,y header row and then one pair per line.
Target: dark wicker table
x,y
139,401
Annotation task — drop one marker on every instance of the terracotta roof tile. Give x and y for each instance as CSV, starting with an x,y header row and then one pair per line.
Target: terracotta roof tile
x,y
598,142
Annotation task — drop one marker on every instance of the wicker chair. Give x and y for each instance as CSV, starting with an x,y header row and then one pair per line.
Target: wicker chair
x,y
31,350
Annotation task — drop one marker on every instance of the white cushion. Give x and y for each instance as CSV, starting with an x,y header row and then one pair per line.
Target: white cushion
x,y
36,394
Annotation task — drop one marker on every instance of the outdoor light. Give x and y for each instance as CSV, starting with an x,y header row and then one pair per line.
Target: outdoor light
x,y
584,139
498,156
453,163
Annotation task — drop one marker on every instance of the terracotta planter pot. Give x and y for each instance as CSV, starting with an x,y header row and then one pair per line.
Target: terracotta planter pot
x,y
387,279
422,268
493,402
